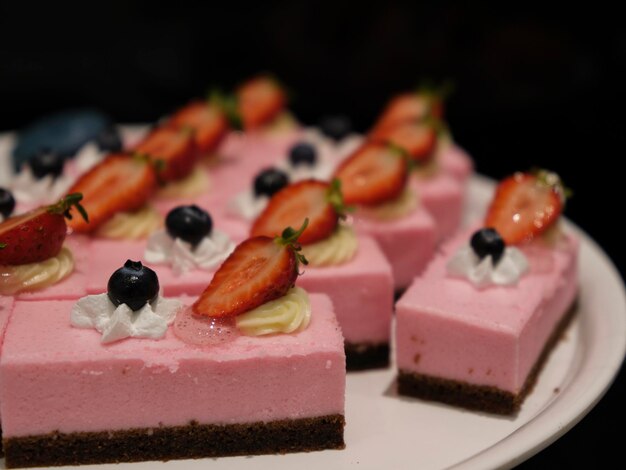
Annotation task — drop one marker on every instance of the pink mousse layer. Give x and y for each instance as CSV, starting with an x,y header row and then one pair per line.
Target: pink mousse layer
x,y
109,255
443,196
449,329
73,286
456,162
408,242
361,291
58,378
6,307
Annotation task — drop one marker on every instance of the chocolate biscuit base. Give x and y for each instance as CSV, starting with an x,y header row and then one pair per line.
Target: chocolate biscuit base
x,y
480,397
363,356
181,442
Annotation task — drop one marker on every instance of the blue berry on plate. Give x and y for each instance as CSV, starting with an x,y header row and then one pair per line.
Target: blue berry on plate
x,y
303,153
488,242
269,181
7,202
134,285
189,223
46,163
336,127
109,140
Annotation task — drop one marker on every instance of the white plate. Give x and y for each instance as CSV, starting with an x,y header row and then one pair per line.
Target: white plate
x,y
386,431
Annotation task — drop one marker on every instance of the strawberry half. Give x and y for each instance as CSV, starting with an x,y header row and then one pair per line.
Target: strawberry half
x,y
407,107
119,183
417,139
259,100
375,173
175,148
319,202
38,234
208,122
259,270
525,205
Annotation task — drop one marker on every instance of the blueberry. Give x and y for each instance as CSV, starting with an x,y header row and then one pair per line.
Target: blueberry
x,y
303,153
189,223
109,140
487,241
270,181
7,202
336,127
46,163
133,285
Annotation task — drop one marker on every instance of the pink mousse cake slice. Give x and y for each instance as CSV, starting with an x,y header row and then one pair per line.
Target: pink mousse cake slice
x,y
443,196
6,307
407,242
362,294
483,349
67,399
456,162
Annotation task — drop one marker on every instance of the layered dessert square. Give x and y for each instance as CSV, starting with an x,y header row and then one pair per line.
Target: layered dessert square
x,y
68,399
476,328
361,291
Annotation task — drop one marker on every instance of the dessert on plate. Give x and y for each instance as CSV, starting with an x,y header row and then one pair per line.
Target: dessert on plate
x,y
375,178
352,270
414,123
476,327
130,375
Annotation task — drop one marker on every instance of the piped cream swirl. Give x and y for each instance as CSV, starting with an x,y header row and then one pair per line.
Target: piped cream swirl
x,y
287,314
339,248
193,185
394,209
36,276
131,225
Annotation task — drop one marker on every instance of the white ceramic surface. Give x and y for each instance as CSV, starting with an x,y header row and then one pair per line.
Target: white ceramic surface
x,y
386,431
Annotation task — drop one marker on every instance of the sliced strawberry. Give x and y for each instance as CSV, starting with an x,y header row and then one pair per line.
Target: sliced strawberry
x,y
174,147
318,201
208,122
259,100
259,270
417,139
407,107
375,173
38,234
119,183
525,205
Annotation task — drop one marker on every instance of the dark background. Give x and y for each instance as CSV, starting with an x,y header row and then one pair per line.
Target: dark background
x,y
533,88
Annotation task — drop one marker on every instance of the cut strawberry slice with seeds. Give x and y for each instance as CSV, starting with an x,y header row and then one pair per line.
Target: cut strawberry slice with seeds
x,y
39,234
525,205
374,174
417,139
119,183
317,201
259,100
208,122
407,107
174,148
259,270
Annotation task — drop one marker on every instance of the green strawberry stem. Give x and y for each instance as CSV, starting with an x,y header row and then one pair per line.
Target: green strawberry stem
x,y
65,205
334,197
2,245
228,104
441,91
550,179
289,238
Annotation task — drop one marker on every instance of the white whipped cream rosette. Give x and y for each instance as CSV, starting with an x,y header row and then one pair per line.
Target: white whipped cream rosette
x,y
183,257
483,272
116,323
